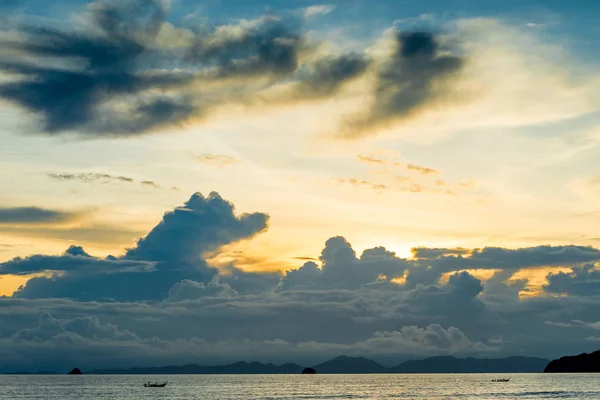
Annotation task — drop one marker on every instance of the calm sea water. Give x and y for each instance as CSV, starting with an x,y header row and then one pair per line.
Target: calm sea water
x,y
231,387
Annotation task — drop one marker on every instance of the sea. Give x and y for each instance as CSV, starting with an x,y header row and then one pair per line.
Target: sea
x,y
233,387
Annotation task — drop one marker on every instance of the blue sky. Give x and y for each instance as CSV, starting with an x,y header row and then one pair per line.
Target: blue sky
x,y
373,167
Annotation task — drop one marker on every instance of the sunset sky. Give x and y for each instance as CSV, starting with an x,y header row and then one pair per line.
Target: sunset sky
x,y
207,181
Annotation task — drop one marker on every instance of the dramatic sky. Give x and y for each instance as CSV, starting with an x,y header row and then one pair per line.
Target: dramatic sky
x,y
286,180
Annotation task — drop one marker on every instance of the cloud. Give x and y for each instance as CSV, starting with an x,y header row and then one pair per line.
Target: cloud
x,y
370,159
123,73
411,79
162,303
74,259
93,232
35,215
317,10
170,253
218,160
328,74
203,224
514,259
581,281
431,253
94,344
151,184
360,183
82,96
93,177
128,69
191,290
89,177
422,170
269,45
342,269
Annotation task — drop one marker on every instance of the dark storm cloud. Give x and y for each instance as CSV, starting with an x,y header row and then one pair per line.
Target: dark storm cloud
x,y
170,253
407,81
35,215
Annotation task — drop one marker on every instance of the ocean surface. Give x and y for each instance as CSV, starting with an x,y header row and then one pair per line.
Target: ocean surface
x,y
232,387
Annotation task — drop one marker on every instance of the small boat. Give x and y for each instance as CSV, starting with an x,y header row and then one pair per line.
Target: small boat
x,y
155,384
501,380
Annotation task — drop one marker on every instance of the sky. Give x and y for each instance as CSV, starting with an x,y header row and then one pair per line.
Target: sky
x,y
222,180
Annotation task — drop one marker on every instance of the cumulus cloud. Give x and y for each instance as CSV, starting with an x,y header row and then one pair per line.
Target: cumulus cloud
x,y
35,215
191,290
201,225
170,253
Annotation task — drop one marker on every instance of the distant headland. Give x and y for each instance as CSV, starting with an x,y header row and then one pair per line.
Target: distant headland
x,y
580,363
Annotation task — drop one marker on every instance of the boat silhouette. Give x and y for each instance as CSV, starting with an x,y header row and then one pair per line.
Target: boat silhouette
x,y
155,384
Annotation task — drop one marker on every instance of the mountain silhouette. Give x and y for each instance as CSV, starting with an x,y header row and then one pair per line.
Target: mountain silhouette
x,y
449,364
580,363
353,365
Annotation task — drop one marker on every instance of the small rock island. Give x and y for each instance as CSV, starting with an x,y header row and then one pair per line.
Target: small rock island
x,y
309,371
581,363
75,371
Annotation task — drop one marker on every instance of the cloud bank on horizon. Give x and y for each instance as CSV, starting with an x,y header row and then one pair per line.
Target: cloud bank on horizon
x,y
161,302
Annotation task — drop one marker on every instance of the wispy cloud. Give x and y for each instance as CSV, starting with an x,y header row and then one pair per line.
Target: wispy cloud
x,y
89,177
93,177
361,183
217,160
151,184
317,10
421,169
370,159
35,215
